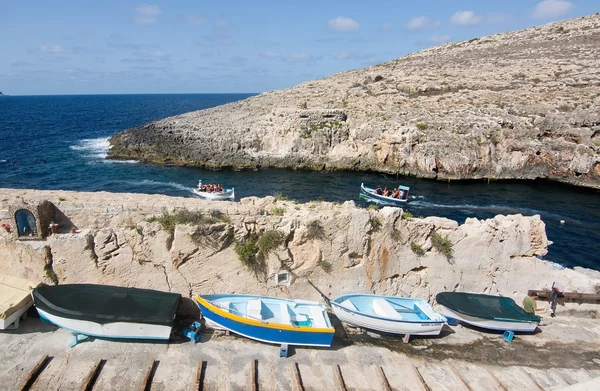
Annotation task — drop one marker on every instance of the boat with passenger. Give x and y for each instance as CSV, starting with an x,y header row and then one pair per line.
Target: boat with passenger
x,y
388,314
268,319
486,311
398,196
214,192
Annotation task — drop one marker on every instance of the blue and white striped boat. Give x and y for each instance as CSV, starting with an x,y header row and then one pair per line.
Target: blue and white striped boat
x,y
369,194
389,314
268,319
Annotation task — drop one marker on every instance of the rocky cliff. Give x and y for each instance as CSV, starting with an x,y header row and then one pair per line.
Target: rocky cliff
x,y
521,105
266,246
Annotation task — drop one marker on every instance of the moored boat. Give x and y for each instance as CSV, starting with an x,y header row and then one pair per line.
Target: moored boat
x,y
486,311
370,195
15,300
225,194
268,319
389,314
108,311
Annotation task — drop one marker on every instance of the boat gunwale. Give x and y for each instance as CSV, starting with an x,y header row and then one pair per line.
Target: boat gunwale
x,y
261,323
430,321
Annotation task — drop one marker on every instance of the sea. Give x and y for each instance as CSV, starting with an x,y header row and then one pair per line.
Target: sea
x,y
61,142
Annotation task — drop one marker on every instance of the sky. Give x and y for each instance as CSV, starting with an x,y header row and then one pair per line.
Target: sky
x,y
184,46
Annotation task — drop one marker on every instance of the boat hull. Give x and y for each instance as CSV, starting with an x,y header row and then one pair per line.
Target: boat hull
x,y
490,324
119,330
357,318
223,196
264,331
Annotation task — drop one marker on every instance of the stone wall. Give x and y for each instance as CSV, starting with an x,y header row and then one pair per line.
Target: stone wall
x,y
341,248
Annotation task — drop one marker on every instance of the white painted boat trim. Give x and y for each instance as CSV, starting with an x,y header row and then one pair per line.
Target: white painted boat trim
x,y
490,324
110,330
14,317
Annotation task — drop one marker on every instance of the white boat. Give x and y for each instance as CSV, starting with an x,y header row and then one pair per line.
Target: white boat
x,y
268,319
108,311
486,311
15,300
369,194
226,194
389,314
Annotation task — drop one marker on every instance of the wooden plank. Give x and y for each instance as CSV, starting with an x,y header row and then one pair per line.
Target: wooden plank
x,y
147,382
253,376
200,373
297,379
420,377
539,387
34,373
384,380
90,379
462,379
498,382
568,296
340,380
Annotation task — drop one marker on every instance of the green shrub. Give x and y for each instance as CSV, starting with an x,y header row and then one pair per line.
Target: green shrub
x,y
185,216
396,235
277,211
442,244
417,249
373,207
314,230
407,215
269,241
422,126
326,266
375,223
246,251
280,197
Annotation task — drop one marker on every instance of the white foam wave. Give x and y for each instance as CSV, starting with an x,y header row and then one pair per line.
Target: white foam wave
x,y
121,161
93,147
148,182
2,160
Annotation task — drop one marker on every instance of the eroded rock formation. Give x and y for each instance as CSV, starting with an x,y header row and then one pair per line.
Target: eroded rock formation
x,y
521,105
339,247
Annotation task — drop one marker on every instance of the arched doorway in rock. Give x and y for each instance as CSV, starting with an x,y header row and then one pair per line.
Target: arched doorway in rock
x,y
26,224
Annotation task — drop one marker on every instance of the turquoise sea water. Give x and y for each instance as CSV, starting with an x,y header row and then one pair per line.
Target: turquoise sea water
x,y
60,142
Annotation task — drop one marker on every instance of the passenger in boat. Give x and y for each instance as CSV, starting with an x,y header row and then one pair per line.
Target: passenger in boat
x,y
395,193
529,303
386,192
378,190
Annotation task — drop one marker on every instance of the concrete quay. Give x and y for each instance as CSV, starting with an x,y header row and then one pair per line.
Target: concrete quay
x,y
564,355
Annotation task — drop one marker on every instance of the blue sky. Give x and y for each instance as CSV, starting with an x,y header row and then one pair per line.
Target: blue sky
x,y
104,47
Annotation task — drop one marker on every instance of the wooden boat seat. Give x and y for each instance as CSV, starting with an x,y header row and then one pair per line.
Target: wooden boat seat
x,y
285,313
348,304
383,308
318,317
254,309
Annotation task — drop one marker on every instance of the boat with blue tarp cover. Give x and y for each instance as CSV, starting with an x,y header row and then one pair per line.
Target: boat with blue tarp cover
x,y
370,194
268,319
389,314
486,311
108,311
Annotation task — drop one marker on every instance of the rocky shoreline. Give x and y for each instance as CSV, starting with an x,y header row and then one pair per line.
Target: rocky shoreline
x,y
518,105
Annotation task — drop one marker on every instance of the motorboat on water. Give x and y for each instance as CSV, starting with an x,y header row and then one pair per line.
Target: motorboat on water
x,y
226,194
486,311
369,194
108,311
389,314
268,319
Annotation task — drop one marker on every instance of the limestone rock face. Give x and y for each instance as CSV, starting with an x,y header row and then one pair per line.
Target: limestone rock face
x,y
340,248
519,105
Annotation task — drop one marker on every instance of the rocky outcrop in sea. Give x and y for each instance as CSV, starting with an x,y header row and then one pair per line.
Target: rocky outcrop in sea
x,y
518,105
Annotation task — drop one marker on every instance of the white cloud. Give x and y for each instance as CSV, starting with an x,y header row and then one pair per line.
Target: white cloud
x,y
270,55
465,18
343,24
551,9
146,14
421,23
55,49
439,39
